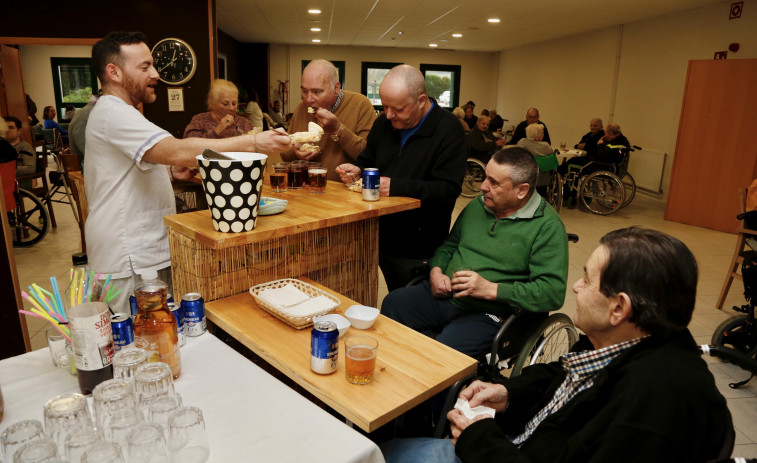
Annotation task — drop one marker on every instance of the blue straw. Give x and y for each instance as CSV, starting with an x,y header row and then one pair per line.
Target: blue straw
x,y
59,308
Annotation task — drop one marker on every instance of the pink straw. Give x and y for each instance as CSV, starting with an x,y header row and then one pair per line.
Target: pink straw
x,y
57,327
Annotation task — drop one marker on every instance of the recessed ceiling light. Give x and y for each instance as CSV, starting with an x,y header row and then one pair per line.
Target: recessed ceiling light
x,y
400,32
317,40
493,20
457,35
315,29
314,11
432,45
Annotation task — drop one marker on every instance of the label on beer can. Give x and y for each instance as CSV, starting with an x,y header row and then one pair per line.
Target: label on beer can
x,y
324,347
123,331
134,306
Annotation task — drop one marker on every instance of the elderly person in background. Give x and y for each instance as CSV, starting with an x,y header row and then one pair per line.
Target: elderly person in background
x,y
534,141
460,113
7,153
589,141
532,117
346,118
470,118
276,115
482,142
252,111
496,123
221,120
27,161
48,114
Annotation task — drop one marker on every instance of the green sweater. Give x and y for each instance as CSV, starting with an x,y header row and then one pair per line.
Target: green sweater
x,y
526,254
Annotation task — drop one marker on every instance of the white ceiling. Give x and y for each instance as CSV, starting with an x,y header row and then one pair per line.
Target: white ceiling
x,y
378,23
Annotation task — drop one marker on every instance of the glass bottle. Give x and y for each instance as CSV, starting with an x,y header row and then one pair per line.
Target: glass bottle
x,y
155,327
79,261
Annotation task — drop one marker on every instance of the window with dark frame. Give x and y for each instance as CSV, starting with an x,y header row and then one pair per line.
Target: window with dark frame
x,y
74,82
443,83
373,72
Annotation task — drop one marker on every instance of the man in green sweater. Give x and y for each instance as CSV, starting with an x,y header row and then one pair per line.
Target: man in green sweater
x,y
508,249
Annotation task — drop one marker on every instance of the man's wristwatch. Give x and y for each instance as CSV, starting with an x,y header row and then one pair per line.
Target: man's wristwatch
x,y
338,134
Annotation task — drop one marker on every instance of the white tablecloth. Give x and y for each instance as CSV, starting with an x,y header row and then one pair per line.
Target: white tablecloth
x,y
249,415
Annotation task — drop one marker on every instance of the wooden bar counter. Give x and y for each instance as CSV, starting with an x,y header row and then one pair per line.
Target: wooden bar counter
x,y
331,238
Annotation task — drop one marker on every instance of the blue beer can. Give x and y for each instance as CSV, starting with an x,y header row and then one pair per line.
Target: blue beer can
x,y
123,331
324,347
371,183
194,314
178,312
133,305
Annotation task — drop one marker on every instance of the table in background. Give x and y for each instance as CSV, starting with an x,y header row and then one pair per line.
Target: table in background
x,y
249,415
331,238
410,367
566,154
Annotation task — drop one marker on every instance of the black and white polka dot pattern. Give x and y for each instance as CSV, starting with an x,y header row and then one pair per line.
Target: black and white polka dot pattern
x,y
233,190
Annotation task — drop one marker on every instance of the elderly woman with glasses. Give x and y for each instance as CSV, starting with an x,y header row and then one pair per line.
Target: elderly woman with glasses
x,y
221,120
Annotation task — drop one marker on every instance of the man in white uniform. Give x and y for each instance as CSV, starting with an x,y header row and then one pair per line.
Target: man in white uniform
x,y
130,164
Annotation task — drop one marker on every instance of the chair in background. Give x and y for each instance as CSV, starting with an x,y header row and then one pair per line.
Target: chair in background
x,y
745,234
71,165
43,188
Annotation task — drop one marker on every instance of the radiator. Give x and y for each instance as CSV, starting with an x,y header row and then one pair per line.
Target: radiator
x,y
647,168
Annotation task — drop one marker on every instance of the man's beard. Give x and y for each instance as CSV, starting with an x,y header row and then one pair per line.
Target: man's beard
x,y
137,92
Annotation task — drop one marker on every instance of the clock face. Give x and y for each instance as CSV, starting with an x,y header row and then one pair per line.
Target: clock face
x,y
175,61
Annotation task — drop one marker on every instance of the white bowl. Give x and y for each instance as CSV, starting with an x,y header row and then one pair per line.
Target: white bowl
x,y
362,317
342,324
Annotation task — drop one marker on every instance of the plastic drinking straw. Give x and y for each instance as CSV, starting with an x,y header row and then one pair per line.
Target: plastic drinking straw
x,y
33,302
110,298
54,282
38,297
57,326
48,303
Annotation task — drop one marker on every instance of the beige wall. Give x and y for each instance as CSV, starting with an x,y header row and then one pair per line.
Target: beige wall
x,y
38,74
571,79
479,70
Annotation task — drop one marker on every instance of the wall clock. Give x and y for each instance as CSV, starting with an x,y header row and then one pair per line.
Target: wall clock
x,y
174,60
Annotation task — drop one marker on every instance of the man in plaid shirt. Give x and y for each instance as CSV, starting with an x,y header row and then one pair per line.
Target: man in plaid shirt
x,y
633,389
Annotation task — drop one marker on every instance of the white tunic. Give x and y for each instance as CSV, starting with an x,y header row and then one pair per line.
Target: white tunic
x,y
127,197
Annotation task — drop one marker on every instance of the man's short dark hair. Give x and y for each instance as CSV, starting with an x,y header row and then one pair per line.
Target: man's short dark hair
x,y
108,50
657,271
13,119
523,166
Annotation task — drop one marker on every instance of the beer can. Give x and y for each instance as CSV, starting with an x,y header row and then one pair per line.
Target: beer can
x,y
324,347
371,183
194,314
123,331
133,305
178,312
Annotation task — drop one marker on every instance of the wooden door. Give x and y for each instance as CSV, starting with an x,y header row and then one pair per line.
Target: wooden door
x,y
716,150
13,89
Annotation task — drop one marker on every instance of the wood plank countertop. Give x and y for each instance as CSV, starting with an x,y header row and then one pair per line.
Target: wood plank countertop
x,y
304,212
410,367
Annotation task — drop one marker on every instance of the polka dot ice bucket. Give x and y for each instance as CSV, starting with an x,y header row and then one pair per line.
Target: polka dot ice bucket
x,y
232,189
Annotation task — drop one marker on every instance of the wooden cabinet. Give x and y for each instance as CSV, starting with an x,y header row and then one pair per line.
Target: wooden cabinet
x,y
716,149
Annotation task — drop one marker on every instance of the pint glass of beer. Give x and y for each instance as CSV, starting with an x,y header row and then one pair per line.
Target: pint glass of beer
x,y
317,179
279,176
360,358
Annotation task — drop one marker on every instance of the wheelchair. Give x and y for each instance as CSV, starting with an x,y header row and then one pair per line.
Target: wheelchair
x,y
28,219
548,184
602,188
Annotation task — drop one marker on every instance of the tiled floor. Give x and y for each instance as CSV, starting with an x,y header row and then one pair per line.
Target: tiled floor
x,y
713,251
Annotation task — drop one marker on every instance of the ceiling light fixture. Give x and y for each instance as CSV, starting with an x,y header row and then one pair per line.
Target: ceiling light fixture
x,y
493,20
457,35
314,11
317,40
432,45
315,29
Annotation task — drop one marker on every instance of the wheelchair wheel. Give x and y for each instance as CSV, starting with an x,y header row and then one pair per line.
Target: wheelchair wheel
x,y
629,184
553,338
602,193
475,174
737,334
554,191
29,221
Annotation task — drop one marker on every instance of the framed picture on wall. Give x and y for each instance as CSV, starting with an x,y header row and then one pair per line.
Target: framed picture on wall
x,y
339,66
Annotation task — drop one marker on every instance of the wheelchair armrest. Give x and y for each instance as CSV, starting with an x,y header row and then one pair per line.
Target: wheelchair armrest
x,y
497,342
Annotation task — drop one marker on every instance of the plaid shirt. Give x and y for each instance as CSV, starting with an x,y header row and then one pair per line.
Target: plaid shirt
x,y
581,368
